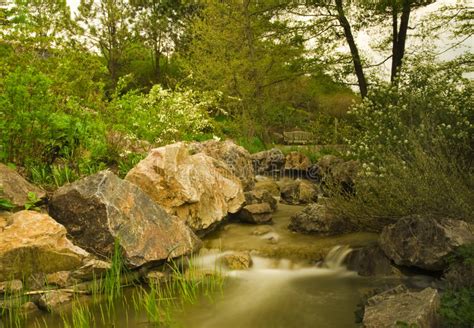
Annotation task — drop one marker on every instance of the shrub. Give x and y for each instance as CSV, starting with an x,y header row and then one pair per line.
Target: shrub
x,y
415,143
433,103
164,116
39,132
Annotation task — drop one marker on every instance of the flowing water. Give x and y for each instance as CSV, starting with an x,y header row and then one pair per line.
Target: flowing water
x,y
290,283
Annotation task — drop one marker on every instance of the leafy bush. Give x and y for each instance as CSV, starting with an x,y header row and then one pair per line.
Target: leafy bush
x,y
429,185
416,148
164,116
433,103
456,308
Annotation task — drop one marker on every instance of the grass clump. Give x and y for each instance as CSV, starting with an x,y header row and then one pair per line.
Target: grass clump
x,y
186,285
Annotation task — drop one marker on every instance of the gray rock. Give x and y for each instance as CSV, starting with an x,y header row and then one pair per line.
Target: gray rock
x,y
15,188
298,192
54,300
424,242
370,261
101,208
269,185
92,269
268,161
11,287
398,305
295,161
316,218
236,261
255,213
259,197
336,173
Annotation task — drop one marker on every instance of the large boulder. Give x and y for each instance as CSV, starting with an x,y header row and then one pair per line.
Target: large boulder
x,y
103,208
316,218
424,242
268,161
33,242
15,188
398,306
298,192
237,158
197,188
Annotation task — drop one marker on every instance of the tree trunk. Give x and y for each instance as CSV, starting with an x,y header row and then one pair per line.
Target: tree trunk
x,y
401,37
353,48
394,39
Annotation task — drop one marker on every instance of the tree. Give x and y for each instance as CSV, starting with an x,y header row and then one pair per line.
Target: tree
x,y
238,48
106,25
159,24
337,20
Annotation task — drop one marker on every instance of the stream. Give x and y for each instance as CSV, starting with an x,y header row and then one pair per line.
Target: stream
x,y
295,281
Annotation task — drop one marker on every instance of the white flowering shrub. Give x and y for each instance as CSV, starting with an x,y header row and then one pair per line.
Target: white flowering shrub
x,y
164,116
432,104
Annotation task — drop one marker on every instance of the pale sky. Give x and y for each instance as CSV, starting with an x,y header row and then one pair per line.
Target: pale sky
x,y
363,38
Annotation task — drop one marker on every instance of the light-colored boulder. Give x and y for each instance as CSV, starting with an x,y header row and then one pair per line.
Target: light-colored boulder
x,y
237,159
424,242
398,306
33,242
15,188
197,188
102,208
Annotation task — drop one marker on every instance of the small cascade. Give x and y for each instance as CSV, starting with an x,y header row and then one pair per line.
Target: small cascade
x,y
336,257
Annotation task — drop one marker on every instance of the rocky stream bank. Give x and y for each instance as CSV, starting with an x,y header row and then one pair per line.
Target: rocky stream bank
x,y
194,198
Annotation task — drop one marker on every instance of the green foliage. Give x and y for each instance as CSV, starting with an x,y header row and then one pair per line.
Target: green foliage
x,y
432,102
416,146
164,116
6,205
463,254
32,202
252,144
36,129
456,308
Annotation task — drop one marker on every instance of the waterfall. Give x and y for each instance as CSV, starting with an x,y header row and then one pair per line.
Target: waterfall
x,y
336,256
